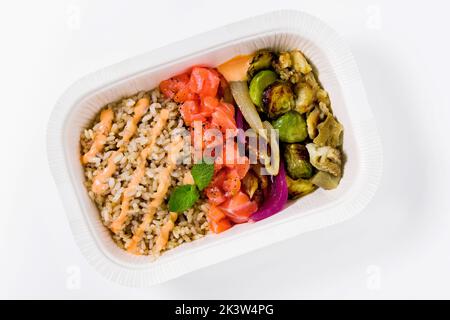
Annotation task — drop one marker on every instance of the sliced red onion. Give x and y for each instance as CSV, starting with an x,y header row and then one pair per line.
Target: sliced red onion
x,y
276,197
240,121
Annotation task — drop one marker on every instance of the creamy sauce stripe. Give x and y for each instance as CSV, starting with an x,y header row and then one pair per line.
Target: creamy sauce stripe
x,y
101,132
166,229
158,197
163,236
139,172
99,184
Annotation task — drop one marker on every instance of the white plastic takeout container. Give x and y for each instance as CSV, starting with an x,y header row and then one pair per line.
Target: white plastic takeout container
x,y
282,30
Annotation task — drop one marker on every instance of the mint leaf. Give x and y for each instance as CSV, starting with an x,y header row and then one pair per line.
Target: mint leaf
x,y
202,174
183,198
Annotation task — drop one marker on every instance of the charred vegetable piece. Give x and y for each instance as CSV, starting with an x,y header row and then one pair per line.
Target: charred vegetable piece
x,y
324,110
326,159
325,180
297,161
312,121
278,99
250,183
262,60
292,66
299,62
259,82
263,179
299,187
322,96
284,61
258,197
283,66
330,133
225,91
291,127
305,97
310,79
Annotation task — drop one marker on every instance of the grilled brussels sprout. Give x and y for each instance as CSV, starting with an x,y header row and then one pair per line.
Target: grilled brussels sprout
x,y
283,66
291,127
299,62
259,82
325,180
330,133
297,161
278,99
325,158
305,97
291,66
299,188
262,60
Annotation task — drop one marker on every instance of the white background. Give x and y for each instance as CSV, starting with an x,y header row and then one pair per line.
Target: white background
x,y
398,247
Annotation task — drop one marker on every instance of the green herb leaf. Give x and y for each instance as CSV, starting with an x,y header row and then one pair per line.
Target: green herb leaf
x,y
202,174
183,198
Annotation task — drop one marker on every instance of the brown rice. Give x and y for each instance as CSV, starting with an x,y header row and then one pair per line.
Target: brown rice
x,y
191,224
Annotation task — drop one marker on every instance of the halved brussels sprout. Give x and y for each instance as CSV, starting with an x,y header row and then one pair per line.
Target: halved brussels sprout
x,y
330,133
312,121
325,180
261,60
278,99
299,62
325,158
291,127
297,161
305,97
259,82
299,187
